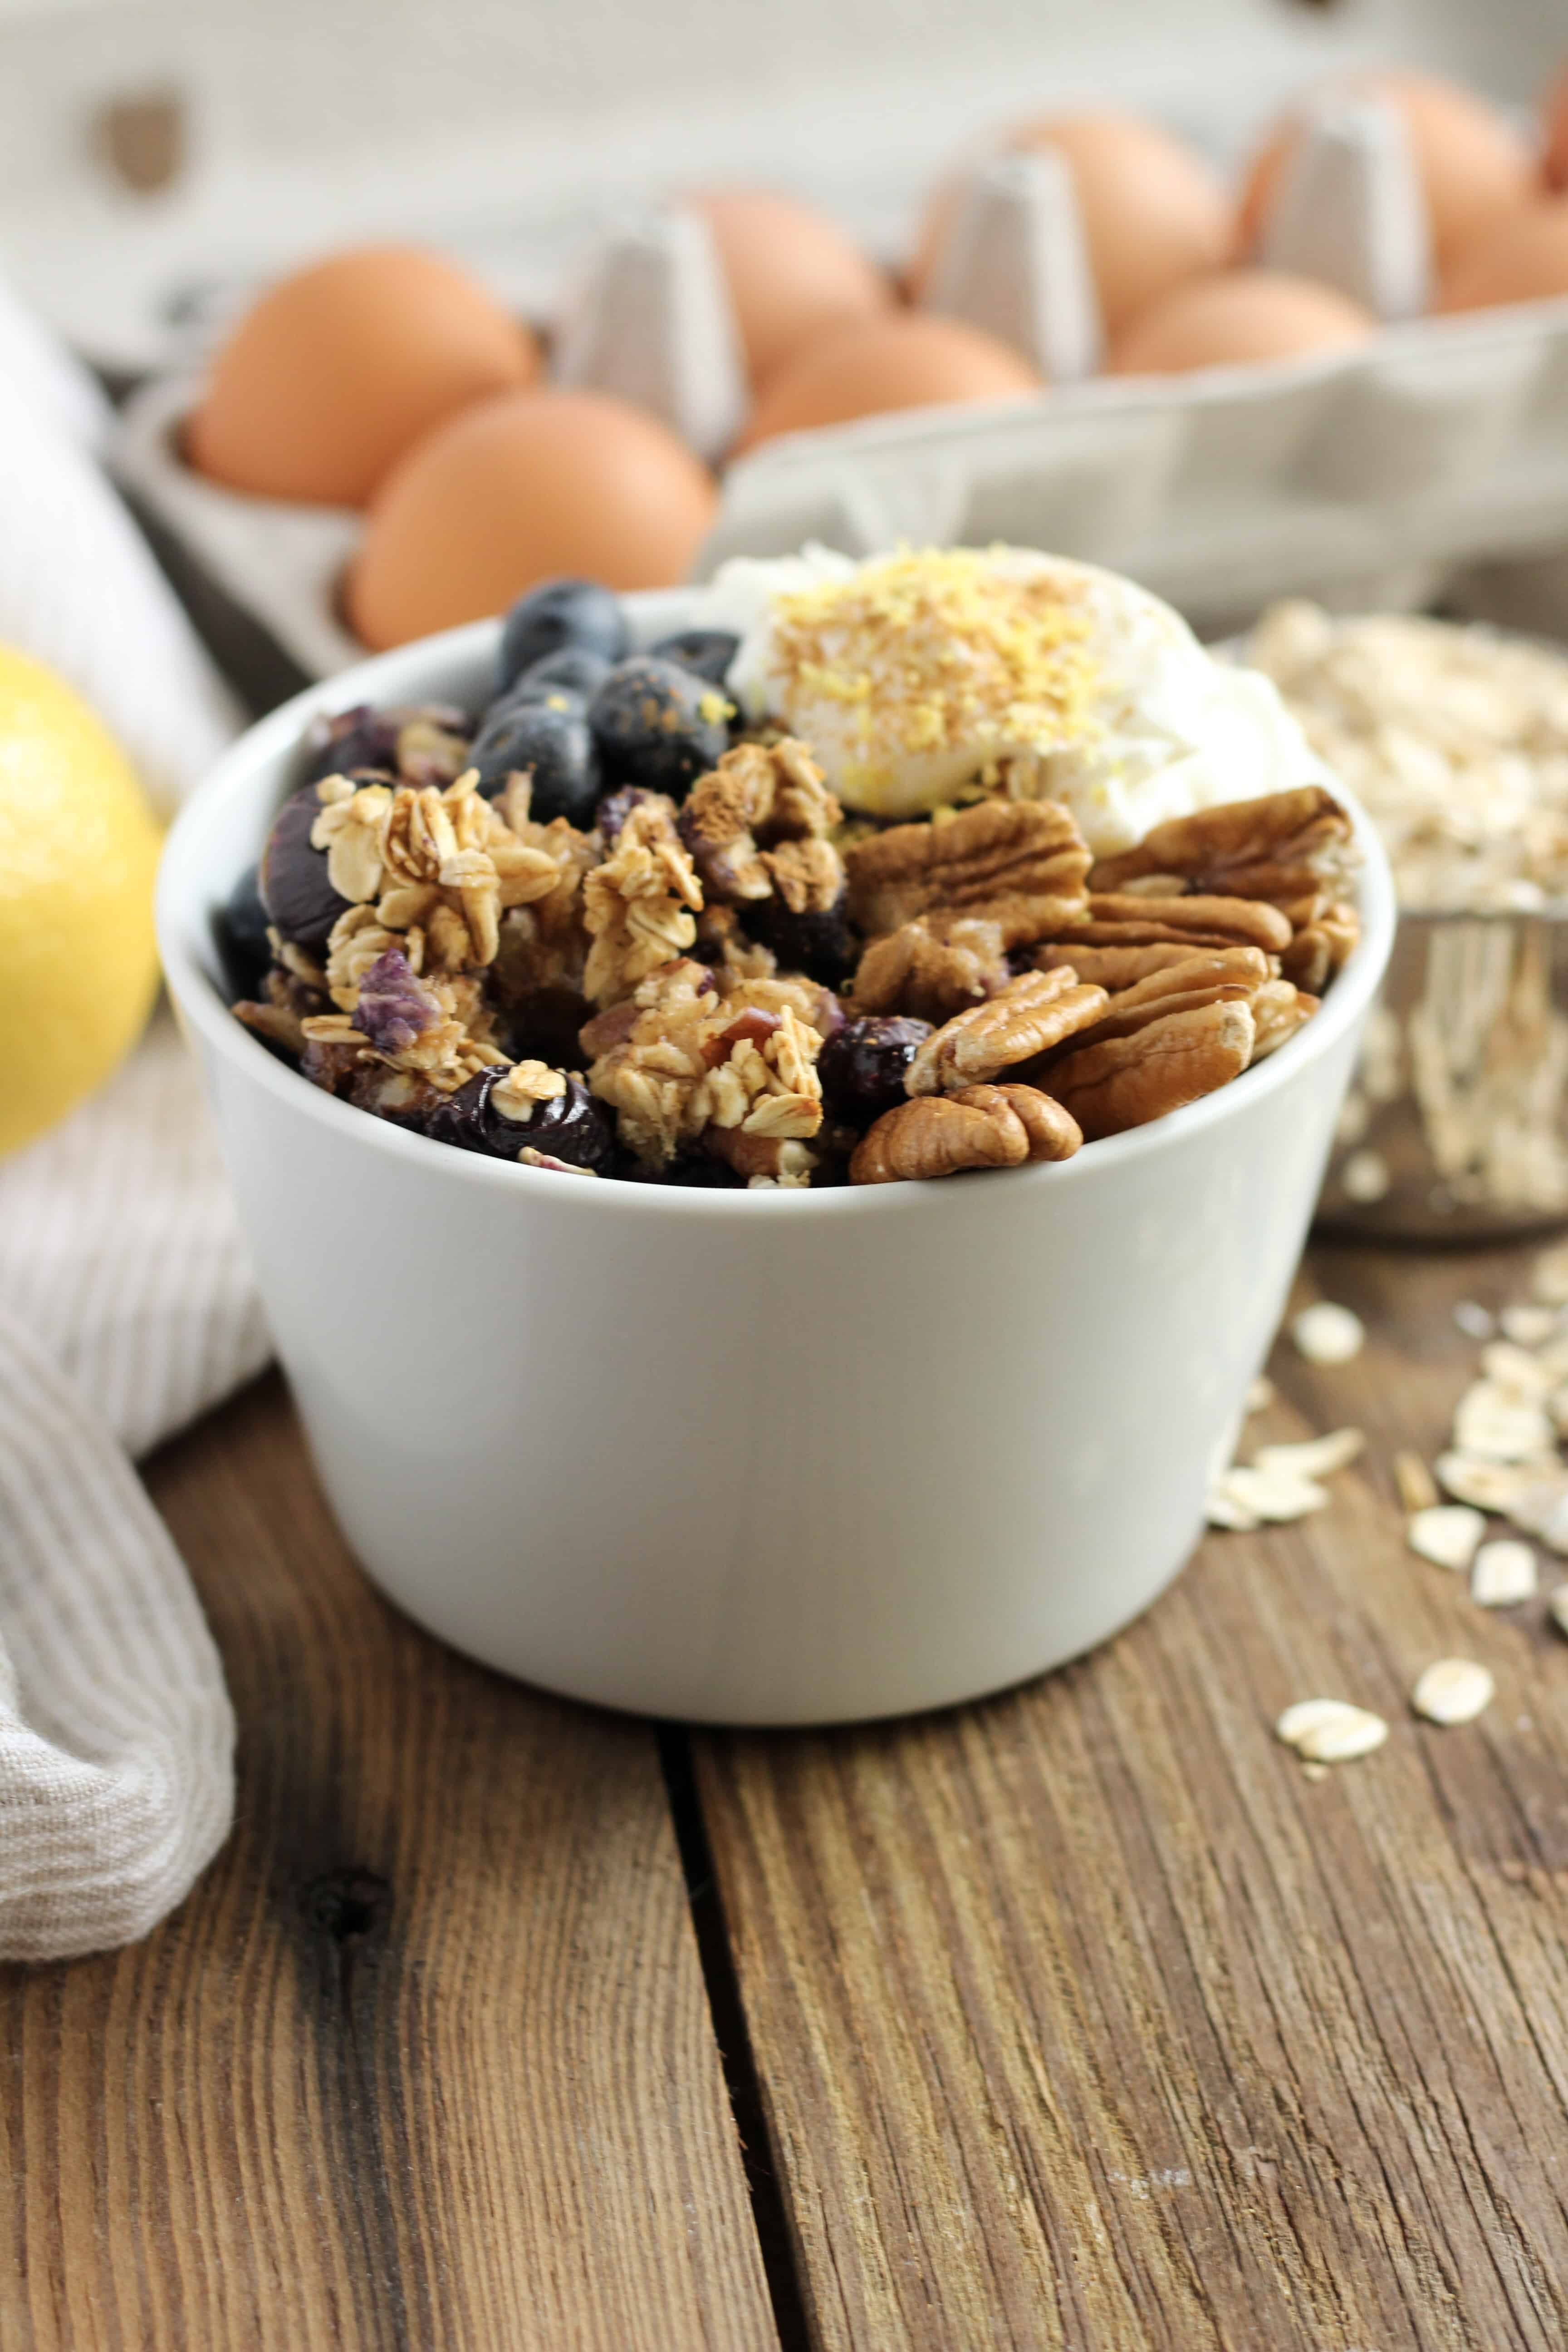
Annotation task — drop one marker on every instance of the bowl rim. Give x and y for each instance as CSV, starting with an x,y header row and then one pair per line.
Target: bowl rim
x,y
182,919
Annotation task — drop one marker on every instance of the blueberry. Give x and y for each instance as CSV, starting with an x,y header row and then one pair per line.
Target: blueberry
x,y
295,890
561,612
708,652
821,945
574,670
353,740
659,725
573,1125
242,933
862,1067
544,1023
551,742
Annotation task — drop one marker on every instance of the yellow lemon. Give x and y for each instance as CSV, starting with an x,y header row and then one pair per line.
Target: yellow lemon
x,y
78,848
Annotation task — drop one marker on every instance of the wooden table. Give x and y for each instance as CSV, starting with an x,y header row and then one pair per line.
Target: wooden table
x,y
1080,2018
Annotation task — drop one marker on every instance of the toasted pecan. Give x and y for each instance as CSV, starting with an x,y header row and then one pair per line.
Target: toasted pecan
x,y
1052,1131
1114,968
1279,1009
1028,1017
982,1126
1212,976
1319,949
1249,922
1127,1081
1022,863
1304,827
933,967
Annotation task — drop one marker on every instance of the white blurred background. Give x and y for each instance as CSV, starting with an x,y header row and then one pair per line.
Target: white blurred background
x,y
156,156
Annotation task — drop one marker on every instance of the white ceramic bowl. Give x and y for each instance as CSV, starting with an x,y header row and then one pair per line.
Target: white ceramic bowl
x,y
750,1457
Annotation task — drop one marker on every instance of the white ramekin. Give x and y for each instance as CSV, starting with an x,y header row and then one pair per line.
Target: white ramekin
x,y
749,1457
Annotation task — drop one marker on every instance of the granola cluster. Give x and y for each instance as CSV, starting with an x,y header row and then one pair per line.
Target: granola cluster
x,y
731,983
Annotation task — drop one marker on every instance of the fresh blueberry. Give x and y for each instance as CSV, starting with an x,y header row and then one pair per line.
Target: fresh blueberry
x,y
543,1026
242,933
708,652
659,725
574,670
561,612
295,891
355,740
862,1067
573,1127
551,742
821,945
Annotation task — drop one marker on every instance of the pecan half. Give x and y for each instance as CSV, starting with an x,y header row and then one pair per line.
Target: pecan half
x,y
1127,1081
1021,863
1233,847
1116,968
1317,952
1213,976
1030,1015
1249,922
933,967
942,1135
1279,1009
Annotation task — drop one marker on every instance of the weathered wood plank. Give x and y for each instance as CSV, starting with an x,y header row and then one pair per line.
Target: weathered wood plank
x,y
426,2059
1085,2019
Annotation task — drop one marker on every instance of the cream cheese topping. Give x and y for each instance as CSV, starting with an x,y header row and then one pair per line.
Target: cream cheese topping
x,y
915,678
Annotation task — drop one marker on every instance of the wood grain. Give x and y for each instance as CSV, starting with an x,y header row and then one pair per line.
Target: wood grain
x,y
425,2061
1084,2019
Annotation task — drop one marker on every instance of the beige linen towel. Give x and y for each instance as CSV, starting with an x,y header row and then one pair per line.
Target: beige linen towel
x,y
126,1308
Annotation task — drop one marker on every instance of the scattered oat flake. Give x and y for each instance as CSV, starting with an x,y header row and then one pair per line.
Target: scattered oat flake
x,y
1329,1730
1474,1320
1446,1535
1528,1326
1271,1495
1507,1366
1327,1334
1223,1508
1502,1573
1417,1487
1557,1608
1365,1177
1454,1690
1540,1508
1312,1770
1500,1425
1312,1458
1488,1485
1261,1394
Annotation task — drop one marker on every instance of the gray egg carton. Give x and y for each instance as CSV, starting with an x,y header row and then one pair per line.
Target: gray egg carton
x,y
1376,475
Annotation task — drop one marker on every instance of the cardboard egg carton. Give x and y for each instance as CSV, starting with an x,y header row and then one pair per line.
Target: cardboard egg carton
x,y
1369,476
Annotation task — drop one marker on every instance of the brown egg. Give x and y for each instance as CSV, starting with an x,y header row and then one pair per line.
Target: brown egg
x,y
910,359
337,371
518,489
1239,318
1472,163
792,274
1555,127
1520,259
1152,211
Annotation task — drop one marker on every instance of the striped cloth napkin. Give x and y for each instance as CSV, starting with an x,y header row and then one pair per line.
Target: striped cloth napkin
x,y
126,1306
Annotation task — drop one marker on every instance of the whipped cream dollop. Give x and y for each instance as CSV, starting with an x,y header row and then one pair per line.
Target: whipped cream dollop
x,y
915,676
